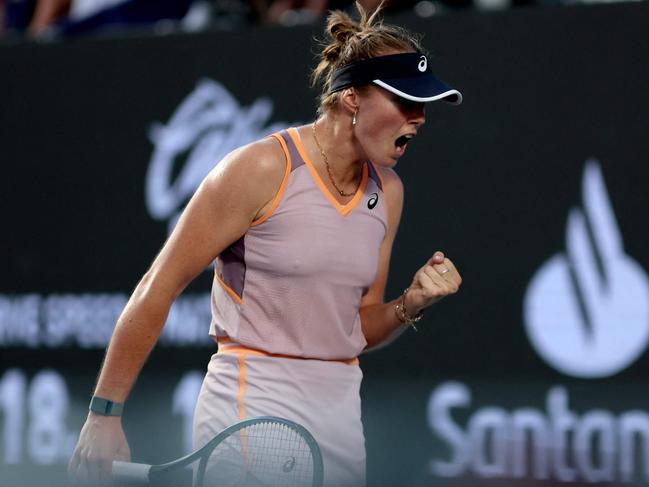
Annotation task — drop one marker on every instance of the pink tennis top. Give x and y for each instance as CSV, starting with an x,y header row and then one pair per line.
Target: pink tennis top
x,y
292,284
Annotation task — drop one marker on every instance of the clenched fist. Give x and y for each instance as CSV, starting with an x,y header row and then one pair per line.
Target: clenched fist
x,y
436,279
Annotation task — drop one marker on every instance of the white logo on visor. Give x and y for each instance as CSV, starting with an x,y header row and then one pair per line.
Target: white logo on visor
x,y
587,310
423,64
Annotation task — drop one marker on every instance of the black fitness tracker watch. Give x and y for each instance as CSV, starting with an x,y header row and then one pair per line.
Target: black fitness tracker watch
x,y
104,407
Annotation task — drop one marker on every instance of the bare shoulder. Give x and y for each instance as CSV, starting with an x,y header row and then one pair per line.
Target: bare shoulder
x,y
255,170
265,156
262,162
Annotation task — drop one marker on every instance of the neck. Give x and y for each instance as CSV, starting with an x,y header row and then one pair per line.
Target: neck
x,y
345,158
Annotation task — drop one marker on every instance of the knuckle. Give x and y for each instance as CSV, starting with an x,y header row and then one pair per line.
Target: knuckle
x,y
93,459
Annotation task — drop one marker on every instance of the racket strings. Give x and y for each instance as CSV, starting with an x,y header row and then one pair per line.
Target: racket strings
x,y
261,454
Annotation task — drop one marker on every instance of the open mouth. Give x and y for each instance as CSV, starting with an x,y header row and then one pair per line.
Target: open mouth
x,y
402,141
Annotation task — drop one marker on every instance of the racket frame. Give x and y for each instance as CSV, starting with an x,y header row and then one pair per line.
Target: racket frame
x,y
204,452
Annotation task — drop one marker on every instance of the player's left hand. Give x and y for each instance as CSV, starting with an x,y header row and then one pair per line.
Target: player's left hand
x,y
437,279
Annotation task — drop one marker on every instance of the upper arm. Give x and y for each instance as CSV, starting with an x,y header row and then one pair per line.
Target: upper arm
x,y
393,191
219,213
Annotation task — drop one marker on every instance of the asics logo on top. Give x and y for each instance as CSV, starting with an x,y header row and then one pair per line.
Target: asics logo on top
x,y
586,309
423,64
374,199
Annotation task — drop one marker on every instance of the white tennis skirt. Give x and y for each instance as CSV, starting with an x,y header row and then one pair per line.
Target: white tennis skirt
x,y
321,395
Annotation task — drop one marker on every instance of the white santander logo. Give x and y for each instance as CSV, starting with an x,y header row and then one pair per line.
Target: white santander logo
x,y
587,309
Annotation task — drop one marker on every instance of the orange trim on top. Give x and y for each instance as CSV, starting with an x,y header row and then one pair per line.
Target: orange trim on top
x,y
282,186
342,209
226,345
227,288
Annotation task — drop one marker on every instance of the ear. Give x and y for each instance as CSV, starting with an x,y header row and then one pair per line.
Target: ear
x,y
349,99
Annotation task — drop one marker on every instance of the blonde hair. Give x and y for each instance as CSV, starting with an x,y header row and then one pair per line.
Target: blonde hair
x,y
348,41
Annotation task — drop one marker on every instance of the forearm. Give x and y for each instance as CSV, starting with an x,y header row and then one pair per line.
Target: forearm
x,y
135,335
380,324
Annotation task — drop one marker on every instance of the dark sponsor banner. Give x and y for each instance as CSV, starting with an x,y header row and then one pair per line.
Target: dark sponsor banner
x,y
533,374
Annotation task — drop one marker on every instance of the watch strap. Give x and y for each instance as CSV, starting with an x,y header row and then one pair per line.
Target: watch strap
x,y
105,407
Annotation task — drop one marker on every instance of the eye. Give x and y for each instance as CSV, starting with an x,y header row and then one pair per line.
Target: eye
x,y
405,104
408,106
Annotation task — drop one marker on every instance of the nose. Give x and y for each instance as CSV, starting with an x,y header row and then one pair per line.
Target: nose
x,y
417,115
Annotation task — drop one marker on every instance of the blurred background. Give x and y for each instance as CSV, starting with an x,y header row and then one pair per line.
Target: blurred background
x,y
67,18
535,374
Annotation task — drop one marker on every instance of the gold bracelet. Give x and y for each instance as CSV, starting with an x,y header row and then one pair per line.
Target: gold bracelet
x,y
402,313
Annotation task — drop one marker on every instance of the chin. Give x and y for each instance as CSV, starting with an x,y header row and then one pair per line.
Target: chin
x,y
389,162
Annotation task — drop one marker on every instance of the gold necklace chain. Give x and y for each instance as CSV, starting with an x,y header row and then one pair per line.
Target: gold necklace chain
x,y
326,161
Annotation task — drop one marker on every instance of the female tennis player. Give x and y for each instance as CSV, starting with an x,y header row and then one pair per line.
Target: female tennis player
x,y
301,226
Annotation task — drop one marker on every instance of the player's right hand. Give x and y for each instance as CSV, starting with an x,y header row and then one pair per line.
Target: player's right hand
x,y
101,441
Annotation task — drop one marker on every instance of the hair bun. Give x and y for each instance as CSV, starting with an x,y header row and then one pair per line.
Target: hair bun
x,y
347,41
340,29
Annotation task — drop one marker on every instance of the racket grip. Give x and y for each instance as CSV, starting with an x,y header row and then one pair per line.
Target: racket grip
x,y
131,472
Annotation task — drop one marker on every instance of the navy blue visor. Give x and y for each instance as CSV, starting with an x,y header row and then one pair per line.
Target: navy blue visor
x,y
406,75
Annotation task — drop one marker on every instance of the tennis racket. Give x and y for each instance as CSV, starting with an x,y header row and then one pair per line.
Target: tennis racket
x,y
257,452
